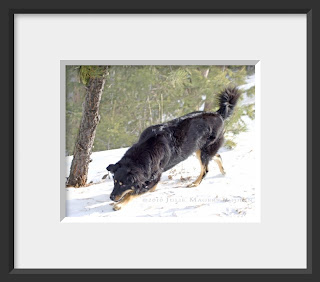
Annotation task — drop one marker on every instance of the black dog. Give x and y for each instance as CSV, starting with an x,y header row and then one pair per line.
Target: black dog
x,y
162,146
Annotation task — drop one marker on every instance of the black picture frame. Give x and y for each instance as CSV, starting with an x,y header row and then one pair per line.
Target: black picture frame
x,y
19,7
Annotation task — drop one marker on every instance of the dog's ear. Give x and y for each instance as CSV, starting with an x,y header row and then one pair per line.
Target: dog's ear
x,y
113,167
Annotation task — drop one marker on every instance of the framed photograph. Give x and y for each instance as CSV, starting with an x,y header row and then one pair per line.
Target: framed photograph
x,y
160,142
203,112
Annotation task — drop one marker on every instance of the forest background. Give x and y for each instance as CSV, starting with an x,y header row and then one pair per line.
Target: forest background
x,y
135,97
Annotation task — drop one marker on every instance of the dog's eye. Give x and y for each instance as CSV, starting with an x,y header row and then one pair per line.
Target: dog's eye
x,y
115,181
120,183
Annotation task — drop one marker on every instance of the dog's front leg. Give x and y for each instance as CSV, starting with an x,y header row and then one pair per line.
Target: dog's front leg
x,y
126,199
153,188
154,184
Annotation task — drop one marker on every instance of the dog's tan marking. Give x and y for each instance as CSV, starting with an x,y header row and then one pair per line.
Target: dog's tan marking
x,y
203,171
153,188
218,160
119,197
126,199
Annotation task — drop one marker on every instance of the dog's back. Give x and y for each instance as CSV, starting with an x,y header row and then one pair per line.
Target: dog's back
x,y
161,147
187,134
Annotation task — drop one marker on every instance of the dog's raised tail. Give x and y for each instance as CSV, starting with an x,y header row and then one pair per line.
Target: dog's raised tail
x,y
227,101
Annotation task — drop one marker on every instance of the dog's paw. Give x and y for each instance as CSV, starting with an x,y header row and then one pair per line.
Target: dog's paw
x,y
111,204
116,207
191,185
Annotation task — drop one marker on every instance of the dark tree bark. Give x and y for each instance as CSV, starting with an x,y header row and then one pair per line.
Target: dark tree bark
x,y
90,119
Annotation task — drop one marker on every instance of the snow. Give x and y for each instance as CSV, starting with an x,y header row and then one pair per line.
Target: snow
x,y
250,82
233,197
218,196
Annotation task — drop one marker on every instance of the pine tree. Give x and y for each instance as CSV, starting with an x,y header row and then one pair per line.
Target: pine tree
x,y
140,96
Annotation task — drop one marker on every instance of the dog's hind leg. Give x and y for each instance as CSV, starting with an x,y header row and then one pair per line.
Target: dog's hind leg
x,y
205,155
217,158
203,172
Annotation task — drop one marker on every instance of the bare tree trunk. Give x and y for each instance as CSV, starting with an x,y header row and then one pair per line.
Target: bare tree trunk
x,y
159,104
90,119
161,97
150,111
207,105
205,73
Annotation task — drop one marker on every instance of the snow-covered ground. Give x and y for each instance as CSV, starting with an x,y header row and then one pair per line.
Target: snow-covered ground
x,y
223,198
218,196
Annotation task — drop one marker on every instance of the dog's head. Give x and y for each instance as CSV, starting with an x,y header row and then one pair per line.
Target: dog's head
x,y
124,180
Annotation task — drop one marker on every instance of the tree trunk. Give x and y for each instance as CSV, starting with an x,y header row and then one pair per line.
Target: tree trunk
x,y
150,111
90,119
207,104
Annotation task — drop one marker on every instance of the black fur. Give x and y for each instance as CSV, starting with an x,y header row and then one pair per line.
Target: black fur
x,y
161,147
227,101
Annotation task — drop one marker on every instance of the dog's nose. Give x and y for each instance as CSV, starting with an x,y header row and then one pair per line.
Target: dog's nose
x,y
112,197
